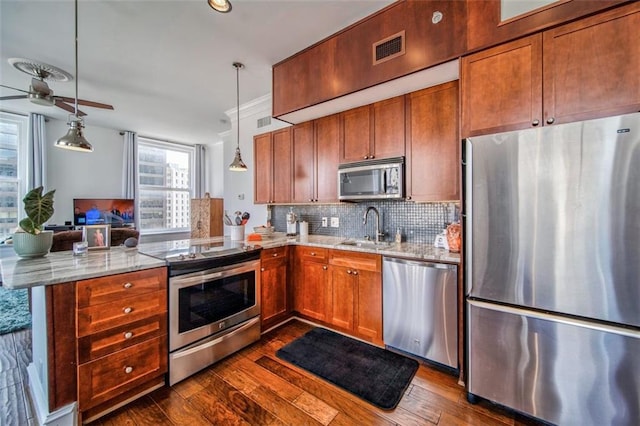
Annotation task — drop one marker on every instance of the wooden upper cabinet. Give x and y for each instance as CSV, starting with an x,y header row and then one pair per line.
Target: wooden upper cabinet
x,y
327,135
433,145
344,62
389,128
273,174
374,131
303,163
588,69
357,134
263,163
502,88
485,26
282,170
592,67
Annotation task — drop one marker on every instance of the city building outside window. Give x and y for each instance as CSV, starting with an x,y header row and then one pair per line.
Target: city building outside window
x,y
165,178
13,148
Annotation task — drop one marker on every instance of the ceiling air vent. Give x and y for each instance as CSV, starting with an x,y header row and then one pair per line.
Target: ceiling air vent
x,y
388,48
264,121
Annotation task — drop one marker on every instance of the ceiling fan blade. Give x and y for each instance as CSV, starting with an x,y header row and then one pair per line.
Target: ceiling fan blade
x,y
69,108
40,86
6,98
84,102
13,88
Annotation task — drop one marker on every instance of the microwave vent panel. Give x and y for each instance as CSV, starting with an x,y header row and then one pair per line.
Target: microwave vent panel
x,y
388,48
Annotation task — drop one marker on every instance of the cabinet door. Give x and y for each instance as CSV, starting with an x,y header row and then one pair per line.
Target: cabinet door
x,y
273,282
433,146
591,67
342,286
327,158
313,286
369,306
282,170
303,163
388,128
356,134
502,88
263,176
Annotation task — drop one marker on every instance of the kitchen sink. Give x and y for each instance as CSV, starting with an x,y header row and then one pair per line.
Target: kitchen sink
x,y
365,244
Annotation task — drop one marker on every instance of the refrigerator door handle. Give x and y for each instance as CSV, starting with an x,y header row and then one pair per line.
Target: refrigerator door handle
x,y
557,318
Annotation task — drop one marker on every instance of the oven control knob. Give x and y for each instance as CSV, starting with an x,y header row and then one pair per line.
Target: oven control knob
x,y
192,255
181,257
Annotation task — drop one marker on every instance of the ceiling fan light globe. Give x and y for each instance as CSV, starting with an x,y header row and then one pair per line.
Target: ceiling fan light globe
x,y
74,139
223,6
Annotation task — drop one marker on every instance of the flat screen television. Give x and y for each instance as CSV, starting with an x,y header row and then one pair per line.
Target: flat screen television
x,y
103,211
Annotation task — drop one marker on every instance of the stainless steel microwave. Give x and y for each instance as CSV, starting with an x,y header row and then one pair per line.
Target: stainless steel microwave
x,y
370,180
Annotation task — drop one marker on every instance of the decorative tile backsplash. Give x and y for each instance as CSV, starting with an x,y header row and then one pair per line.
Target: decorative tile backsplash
x,y
418,222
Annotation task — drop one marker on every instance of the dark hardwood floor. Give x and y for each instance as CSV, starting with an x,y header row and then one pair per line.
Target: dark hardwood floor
x,y
254,387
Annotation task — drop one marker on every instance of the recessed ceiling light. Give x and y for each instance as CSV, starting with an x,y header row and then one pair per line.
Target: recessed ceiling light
x,y
223,6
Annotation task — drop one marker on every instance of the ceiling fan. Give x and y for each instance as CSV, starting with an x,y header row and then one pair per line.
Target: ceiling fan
x,y
39,91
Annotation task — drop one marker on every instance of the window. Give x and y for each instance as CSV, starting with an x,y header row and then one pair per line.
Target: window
x,y
13,144
160,190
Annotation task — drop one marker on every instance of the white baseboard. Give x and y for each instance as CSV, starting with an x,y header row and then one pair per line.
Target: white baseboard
x,y
65,416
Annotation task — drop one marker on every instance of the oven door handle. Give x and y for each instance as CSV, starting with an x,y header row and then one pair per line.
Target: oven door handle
x,y
185,282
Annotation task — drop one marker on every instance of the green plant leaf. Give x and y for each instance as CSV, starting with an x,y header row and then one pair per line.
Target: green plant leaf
x,y
39,209
27,226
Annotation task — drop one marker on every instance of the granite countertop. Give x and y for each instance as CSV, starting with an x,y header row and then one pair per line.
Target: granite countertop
x,y
63,266
426,252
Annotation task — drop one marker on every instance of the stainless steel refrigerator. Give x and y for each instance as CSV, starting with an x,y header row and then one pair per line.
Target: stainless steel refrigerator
x,y
553,270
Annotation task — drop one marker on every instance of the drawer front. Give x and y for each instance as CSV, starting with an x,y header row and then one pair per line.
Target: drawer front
x,y
355,260
125,311
106,342
273,253
312,253
114,287
107,377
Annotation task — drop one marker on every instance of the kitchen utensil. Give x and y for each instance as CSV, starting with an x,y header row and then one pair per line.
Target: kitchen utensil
x,y
246,215
227,219
238,220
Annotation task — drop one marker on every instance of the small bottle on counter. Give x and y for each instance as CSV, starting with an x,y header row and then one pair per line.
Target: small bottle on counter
x,y
398,236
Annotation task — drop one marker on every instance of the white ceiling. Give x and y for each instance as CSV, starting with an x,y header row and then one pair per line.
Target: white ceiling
x,y
165,65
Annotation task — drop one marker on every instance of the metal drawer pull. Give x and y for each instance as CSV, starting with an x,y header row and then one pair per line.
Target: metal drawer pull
x,y
127,310
261,269
349,271
128,370
313,253
128,335
127,285
275,254
355,272
324,267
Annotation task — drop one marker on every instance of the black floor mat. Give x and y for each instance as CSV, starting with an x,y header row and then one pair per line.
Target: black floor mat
x,y
371,373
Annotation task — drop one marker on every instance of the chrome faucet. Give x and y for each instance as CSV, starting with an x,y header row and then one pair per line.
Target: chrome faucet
x,y
379,233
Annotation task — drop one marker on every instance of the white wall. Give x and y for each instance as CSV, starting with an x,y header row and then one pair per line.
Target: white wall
x,y
215,170
238,185
82,175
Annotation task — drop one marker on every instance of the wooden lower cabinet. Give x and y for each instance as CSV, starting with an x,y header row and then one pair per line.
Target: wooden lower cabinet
x,y
341,289
107,340
274,298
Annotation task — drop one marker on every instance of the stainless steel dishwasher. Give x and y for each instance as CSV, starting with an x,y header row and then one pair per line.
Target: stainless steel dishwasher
x,y
419,302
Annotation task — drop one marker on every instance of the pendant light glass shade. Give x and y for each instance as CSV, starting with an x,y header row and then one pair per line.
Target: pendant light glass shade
x,y
222,6
238,165
74,139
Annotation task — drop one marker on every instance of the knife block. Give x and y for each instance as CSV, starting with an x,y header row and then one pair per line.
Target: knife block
x,y
206,217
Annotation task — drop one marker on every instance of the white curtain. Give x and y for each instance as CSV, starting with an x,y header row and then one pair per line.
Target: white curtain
x,y
36,171
200,172
129,160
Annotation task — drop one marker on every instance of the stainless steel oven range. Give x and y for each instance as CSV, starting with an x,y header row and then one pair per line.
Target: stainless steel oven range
x,y
214,302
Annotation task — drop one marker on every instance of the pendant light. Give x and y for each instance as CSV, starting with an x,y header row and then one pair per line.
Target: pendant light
x,y
238,165
74,139
222,6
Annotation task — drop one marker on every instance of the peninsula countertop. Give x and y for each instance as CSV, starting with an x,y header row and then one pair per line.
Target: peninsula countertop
x,y
63,266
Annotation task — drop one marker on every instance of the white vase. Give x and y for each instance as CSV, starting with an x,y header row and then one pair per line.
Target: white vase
x,y
29,245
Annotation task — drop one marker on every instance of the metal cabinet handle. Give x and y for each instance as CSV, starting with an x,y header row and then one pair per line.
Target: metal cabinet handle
x,y
128,370
275,254
313,253
535,122
311,200
127,310
349,271
324,267
355,272
128,335
127,285
550,120
372,157
261,269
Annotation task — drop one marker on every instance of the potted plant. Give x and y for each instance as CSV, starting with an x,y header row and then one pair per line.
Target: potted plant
x,y
30,239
